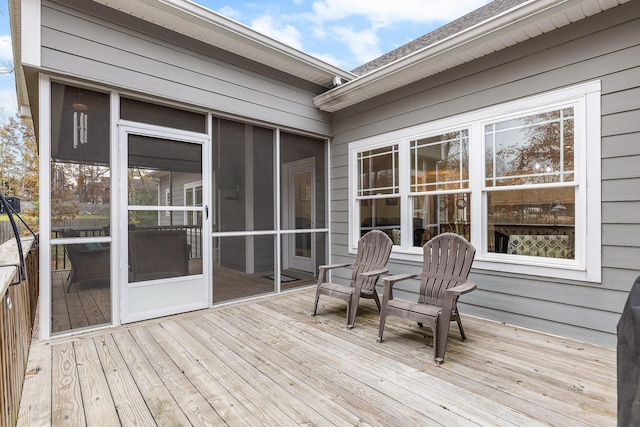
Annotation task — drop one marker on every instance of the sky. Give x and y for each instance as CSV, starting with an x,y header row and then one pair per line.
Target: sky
x,y
344,33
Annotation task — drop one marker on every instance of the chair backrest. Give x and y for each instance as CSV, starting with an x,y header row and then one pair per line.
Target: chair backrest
x,y
374,249
446,263
69,232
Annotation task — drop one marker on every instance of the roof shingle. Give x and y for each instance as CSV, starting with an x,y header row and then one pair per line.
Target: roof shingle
x,y
472,18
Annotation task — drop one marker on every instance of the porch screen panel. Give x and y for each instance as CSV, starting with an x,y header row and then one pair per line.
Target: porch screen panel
x,y
163,241
243,266
80,208
243,177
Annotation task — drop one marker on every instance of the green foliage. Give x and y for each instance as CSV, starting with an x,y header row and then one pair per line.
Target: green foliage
x,y
19,165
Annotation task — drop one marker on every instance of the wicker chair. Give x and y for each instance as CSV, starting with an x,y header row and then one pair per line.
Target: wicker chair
x,y
447,260
374,249
90,262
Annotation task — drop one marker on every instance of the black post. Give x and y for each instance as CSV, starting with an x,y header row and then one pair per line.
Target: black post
x,y
9,210
629,360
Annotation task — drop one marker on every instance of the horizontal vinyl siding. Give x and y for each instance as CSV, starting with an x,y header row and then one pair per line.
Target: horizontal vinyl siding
x,y
606,48
86,47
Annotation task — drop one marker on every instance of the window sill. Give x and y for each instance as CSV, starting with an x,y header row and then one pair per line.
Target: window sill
x,y
525,266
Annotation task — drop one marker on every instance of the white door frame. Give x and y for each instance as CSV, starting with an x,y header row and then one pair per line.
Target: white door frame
x,y
163,297
289,258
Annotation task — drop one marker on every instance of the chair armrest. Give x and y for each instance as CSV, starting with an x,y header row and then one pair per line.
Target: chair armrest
x,y
374,272
391,280
330,266
388,282
322,271
463,288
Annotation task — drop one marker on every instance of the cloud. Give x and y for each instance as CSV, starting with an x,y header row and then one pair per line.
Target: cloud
x,y
6,54
8,102
385,13
364,44
285,33
230,12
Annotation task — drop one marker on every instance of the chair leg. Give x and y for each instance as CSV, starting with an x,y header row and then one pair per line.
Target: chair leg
x,y
70,278
440,336
376,299
464,337
383,319
315,307
352,308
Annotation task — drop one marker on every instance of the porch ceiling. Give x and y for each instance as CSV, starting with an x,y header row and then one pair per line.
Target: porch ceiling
x,y
268,362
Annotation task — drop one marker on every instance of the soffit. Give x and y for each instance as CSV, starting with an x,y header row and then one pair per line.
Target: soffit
x,y
523,22
198,22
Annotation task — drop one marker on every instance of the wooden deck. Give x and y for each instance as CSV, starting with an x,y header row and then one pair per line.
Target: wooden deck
x,y
87,305
266,362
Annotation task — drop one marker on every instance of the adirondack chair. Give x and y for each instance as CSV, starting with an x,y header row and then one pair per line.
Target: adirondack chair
x,y
374,249
447,260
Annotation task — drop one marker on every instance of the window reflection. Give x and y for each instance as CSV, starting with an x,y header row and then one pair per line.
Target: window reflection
x,y
530,150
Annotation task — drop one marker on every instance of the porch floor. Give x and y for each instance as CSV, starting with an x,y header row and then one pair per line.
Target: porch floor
x,y
267,362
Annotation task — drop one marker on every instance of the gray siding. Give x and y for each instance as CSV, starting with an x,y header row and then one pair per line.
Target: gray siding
x,y
135,58
605,47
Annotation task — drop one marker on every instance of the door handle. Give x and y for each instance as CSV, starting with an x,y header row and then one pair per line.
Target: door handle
x,y
206,212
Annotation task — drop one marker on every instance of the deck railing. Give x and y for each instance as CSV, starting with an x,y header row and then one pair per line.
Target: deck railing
x,y
17,313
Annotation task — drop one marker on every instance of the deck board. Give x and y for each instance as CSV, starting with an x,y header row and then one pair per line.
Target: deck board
x,y
268,362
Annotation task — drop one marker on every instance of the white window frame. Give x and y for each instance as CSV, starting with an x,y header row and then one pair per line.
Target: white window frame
x,y
191,186
167,201
585,100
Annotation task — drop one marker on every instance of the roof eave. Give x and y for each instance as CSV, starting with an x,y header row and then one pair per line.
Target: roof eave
x,y
197,22
20,79
521,23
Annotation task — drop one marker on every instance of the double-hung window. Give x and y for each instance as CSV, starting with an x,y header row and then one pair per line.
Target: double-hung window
x,y
519,180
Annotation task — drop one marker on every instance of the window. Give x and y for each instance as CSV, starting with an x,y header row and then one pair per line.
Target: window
x,y
517,180
439,193
530,186
193,197
378,190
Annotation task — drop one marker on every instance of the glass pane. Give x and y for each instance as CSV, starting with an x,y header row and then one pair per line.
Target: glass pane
x,y
440,213
440,162
378,171
243,177
303,182
80,163
380,214
539,222
530,150
80,208
242,267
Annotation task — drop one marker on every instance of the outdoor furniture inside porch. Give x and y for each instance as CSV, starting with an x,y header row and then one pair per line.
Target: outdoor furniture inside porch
x,y
268,362
89,262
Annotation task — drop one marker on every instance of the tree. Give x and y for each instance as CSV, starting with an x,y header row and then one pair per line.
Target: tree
x,y
19,162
